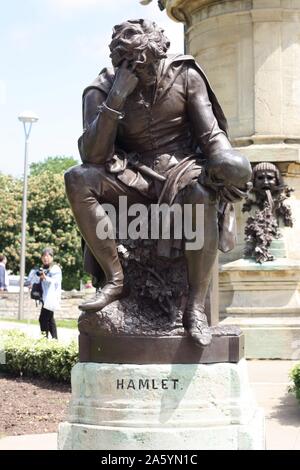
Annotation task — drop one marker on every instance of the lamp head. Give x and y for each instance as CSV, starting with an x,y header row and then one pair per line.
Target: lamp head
x,y
28,117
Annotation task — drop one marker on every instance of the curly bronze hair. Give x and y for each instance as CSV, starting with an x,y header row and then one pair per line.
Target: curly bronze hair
x,y
134,39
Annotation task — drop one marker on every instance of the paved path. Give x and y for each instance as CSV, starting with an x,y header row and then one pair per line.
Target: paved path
x,y
65,335
269,380
30,442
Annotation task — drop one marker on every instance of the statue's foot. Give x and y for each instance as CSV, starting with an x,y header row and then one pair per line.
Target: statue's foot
x,y
110,293
196,326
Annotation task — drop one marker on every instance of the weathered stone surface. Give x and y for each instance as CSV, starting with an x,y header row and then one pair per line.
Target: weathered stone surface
x,y
255,45
264,301
267,289
269,337
234,437
162,407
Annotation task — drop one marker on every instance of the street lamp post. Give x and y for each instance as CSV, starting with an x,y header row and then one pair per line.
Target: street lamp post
x,y
27,118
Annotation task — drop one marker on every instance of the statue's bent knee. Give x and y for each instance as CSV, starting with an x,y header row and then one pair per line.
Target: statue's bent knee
x,y
72,175
78,178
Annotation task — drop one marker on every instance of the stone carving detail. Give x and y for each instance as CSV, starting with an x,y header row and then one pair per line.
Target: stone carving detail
x,y
269,194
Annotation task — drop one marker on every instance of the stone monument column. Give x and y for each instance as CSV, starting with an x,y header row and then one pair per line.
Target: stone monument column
x,y
250,51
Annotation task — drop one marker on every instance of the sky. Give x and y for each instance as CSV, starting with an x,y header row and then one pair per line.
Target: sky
x,y
50,50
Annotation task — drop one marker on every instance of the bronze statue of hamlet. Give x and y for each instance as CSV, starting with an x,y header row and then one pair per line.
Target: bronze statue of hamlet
x,y
154,132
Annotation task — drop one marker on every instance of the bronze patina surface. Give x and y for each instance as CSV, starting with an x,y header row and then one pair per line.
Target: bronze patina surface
x,y
154,132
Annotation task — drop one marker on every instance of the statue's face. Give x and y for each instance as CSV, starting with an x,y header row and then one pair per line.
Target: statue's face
x,y
265,180
147,72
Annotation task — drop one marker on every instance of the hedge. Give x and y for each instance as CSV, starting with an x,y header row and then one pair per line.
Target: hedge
x,y
37,357
295,376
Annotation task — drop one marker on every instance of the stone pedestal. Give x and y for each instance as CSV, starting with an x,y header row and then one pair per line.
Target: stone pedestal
x,y
150,386
250,51
161,406
264,301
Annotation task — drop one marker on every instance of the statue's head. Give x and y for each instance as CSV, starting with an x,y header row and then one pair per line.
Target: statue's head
x,y
143,44
266,176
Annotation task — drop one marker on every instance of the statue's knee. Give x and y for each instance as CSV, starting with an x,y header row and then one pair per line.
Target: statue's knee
x,y
72,174
77,176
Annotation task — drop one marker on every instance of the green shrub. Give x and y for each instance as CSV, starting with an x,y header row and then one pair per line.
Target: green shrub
x,y
295,376
37,357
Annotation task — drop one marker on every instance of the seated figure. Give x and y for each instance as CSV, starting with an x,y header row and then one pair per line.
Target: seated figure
x,y
163,110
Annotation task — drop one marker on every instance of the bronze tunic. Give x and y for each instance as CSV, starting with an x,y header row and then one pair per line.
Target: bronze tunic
x,y
173,132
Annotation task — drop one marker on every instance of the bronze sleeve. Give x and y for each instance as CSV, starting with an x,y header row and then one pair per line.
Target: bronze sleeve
x,y
207,132
96,144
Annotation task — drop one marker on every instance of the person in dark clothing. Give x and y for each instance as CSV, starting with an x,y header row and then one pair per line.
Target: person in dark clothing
x,y
47,323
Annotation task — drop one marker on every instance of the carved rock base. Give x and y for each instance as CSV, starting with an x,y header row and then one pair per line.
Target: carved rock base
x,y
158,407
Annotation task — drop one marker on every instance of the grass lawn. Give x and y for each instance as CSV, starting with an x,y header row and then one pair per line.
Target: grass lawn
x,y
59,323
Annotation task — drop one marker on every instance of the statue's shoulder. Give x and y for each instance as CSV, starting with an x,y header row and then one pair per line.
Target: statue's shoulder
x,y
173,58
102,82
179,59
176,61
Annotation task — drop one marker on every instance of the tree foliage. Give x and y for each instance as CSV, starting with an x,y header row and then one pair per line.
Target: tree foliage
x,y
49,222
55,165
10,220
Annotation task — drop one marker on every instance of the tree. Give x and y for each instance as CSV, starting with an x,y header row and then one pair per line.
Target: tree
x,y
49,221
55,165
10,220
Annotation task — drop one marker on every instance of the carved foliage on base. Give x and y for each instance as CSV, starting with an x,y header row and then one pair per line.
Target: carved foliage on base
x,y
158,293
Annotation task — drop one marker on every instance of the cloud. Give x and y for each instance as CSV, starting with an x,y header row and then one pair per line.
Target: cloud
x,y
21,37
3,92
95,47
77,4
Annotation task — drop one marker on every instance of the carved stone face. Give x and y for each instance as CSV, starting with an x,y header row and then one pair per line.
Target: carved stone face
x,y
265,180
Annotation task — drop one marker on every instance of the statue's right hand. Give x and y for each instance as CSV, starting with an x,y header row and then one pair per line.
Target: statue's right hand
x,y
125,81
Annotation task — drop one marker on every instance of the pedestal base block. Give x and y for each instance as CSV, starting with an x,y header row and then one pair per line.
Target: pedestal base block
x,y
162,406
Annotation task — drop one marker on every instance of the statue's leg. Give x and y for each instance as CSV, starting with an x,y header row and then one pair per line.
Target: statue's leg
x,y
200,264
86,185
